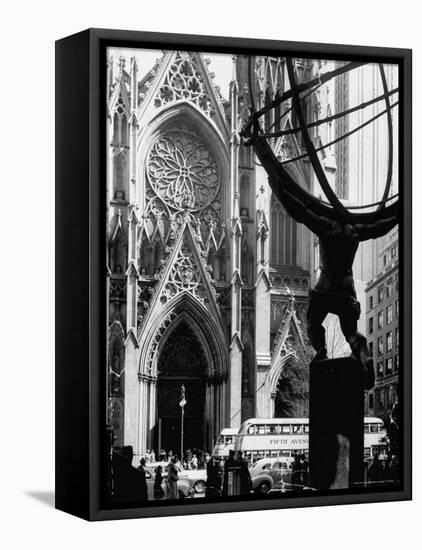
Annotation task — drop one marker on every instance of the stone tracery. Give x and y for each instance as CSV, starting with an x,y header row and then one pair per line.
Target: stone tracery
x,y
182,171
184,81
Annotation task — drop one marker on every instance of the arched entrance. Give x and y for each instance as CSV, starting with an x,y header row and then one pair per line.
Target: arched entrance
x,y
181,361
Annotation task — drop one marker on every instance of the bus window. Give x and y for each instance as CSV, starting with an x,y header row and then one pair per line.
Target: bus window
x,y
305,428
261,430
251,430
272,429
285,428
367,452
229,439
285,453
297,428
373,428
248,456
274,454
259,455
366,429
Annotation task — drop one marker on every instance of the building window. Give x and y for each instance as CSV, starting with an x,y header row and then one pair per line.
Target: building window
x,y
380,368
389,341
389,287
389,314
283,236
384,259
390,398
380,345
396,362
380,319
371,325
371,302
393,252
396,284
389,365
397,309
371,349
380,294
371,401
397,337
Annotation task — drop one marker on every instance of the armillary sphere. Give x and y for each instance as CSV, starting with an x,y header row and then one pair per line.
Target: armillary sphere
x,y
254,134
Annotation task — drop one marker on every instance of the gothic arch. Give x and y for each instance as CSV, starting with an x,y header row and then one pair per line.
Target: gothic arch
x,y
208,330
277,371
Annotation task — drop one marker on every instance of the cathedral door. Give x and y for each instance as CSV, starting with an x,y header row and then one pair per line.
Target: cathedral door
x,y
182,362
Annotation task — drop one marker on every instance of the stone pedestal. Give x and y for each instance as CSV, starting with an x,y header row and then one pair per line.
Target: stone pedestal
x,y
336,415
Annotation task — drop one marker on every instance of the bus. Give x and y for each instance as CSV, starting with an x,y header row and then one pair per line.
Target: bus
x,y
225,442
375,439
259,438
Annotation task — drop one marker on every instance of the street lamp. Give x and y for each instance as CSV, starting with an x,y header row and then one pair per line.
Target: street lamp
x,y
182,404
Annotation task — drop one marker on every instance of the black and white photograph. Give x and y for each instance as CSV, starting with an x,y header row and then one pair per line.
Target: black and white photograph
x,y
253,220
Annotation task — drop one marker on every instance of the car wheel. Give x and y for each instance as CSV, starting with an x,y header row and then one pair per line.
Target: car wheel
x,y
264,487
199,486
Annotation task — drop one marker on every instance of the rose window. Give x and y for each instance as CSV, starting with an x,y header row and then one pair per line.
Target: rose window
x,y
182,171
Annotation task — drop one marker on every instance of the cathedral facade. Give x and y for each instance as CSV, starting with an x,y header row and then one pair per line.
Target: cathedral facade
x,y
208,277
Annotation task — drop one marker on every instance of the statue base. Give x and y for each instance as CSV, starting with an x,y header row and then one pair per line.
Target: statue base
x,y
336,417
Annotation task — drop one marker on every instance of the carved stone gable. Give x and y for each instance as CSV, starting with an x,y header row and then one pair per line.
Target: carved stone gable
x,y
188,272
184,81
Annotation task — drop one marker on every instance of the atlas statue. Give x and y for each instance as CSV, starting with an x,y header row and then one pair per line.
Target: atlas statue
x,y
338,229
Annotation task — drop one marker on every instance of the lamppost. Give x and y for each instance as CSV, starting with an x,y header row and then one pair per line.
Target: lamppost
x,y
182,404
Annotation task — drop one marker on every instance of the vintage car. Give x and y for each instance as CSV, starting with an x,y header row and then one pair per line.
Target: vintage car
x,y
284,487
196,478
267,472
183,485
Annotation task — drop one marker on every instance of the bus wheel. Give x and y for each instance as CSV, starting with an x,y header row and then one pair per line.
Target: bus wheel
x,y
264,487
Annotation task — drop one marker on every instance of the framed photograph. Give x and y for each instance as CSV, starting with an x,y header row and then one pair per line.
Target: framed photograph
x,y
233,274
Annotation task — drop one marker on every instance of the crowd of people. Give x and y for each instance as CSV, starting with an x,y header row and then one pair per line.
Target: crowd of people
x,y
383,470
193,459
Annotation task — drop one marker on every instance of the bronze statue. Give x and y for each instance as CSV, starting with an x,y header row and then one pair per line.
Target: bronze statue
x,y
335,291
339,231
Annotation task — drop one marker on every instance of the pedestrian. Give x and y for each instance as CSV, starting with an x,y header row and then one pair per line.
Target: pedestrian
x,y
194,462
152,456
172,478
375,470
213,488
158,489
230,468
296,466
303,470
129,483
245,476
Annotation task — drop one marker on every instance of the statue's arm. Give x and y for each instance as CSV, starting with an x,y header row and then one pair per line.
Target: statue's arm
x,y
375,230
299,212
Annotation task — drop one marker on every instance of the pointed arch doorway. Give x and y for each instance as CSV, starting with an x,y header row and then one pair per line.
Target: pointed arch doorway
x,y
182,361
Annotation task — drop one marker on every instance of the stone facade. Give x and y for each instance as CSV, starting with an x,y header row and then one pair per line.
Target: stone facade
x,y
208,277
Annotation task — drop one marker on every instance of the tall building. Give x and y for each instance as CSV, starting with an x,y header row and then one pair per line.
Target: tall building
x,y
362,159
208,276
382,310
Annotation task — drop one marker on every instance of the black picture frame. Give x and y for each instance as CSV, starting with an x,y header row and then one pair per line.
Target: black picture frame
x,y
80,264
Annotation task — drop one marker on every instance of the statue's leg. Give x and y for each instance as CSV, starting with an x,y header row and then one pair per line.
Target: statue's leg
x,y
316,332
358,344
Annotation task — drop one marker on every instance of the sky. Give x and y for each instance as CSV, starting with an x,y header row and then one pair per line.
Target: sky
x,y
221,64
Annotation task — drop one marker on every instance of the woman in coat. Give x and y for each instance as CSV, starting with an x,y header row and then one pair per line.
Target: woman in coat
x,y
172,477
